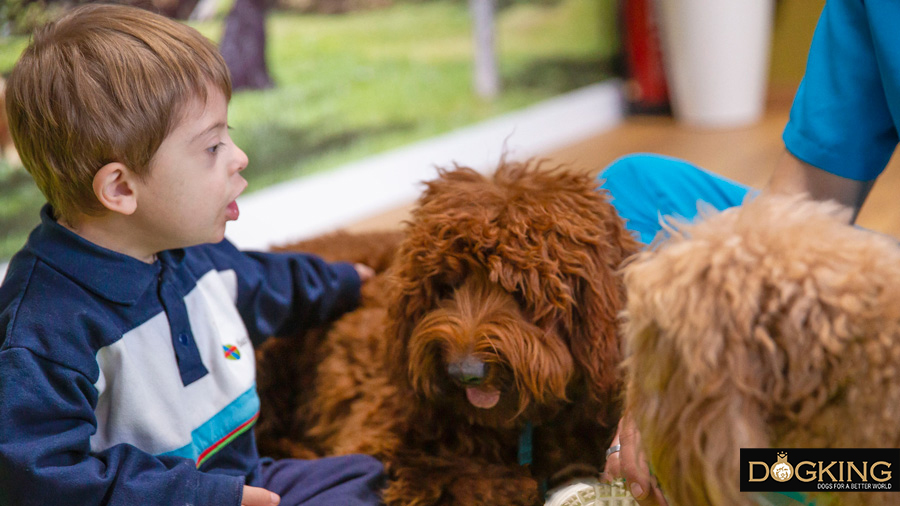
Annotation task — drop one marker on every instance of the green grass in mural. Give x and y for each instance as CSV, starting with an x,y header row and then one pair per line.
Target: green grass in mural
x,y
354,85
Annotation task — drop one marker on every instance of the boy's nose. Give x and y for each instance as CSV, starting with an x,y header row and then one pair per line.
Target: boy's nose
x,y
242,159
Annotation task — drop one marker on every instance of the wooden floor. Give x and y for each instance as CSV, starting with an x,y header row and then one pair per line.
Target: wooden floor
x,y
746,155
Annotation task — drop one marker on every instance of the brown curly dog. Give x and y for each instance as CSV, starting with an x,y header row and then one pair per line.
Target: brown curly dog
x,y
485,362
772,325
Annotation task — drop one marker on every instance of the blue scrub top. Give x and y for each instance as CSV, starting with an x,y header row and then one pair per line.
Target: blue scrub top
x,y
845,114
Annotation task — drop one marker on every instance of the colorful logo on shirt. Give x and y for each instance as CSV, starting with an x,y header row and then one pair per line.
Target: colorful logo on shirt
x,y
232,352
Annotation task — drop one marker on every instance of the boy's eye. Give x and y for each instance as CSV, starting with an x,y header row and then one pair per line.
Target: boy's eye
x,y
213,149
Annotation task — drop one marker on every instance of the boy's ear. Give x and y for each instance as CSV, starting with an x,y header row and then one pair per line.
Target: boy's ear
x,y
114,186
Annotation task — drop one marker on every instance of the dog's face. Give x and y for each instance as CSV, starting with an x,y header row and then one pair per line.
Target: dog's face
x,y
478,351
506,295
769,325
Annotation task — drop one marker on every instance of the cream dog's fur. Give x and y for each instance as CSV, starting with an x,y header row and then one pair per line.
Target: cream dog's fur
x,y
770,325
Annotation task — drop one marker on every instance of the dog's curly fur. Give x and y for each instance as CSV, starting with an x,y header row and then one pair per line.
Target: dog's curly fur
x,y
517,273
772,325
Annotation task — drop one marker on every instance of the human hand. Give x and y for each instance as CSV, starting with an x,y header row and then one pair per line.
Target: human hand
x,y
630,463
365,272
255,496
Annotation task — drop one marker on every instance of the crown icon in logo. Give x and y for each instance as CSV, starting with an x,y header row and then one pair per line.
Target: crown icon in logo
x,y
781,470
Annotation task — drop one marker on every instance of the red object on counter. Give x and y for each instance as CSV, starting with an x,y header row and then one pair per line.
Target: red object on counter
x,y
646,89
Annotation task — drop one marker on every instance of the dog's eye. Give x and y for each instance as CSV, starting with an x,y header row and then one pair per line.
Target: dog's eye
x,y
520,299
443,291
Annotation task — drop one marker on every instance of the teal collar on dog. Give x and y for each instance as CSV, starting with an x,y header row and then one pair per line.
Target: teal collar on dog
x,y
525,452
525,439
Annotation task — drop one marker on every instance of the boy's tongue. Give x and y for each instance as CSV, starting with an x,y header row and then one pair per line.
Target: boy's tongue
x,y
232,212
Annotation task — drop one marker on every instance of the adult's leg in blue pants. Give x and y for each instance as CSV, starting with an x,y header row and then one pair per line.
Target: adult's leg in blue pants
x,y
645,187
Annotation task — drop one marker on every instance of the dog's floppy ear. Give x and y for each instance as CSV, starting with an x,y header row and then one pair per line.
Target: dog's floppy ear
x,y
694,401
691,441
433,259
589,251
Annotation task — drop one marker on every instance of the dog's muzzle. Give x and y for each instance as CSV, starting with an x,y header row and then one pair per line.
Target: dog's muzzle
x,y
469,371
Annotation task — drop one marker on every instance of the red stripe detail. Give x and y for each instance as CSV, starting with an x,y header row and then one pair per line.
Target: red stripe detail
x,y
215,446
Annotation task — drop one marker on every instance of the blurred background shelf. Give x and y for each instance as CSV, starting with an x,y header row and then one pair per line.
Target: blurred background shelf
x,y
746,155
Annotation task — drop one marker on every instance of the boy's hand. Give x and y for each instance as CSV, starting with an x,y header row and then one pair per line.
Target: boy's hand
x,y
255,496
365,272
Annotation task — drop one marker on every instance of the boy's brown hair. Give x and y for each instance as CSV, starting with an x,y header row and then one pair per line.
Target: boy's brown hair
x,y
102,84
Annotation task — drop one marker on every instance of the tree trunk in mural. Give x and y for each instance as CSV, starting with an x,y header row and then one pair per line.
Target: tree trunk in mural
x,y
487,80
244,45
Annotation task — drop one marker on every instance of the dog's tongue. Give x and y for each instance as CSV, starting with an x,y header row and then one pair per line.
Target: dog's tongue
x,y
483,397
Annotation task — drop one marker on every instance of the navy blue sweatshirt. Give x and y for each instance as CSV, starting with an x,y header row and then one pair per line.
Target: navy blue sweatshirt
x,y
126,383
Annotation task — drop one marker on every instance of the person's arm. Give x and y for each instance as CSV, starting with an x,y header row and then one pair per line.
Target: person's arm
x,y
47,411
841,132
280,293
794,176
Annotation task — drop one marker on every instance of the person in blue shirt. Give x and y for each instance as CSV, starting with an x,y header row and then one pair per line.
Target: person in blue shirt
x,y
843,129
127,322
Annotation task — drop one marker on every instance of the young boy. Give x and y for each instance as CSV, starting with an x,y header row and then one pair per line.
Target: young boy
x,y
126,322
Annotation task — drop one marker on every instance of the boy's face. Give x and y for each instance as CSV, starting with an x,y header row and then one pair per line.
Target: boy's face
x,y
194,179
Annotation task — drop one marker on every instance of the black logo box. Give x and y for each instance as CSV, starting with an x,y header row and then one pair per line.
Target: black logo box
x,y
844,478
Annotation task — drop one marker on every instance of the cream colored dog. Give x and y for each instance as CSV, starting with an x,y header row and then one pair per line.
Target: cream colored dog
x,y
772,325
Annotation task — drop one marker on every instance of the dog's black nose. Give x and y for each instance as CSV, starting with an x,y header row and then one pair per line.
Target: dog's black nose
x,y
468,371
